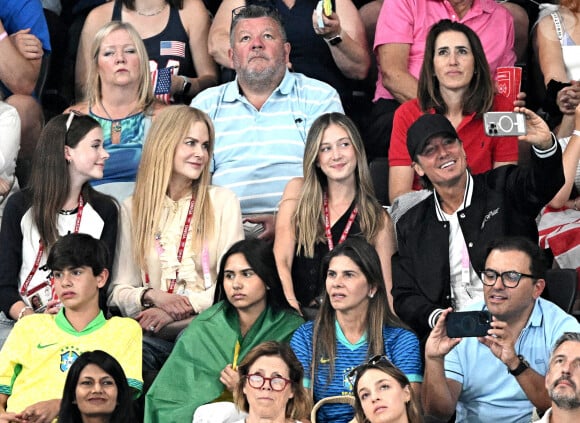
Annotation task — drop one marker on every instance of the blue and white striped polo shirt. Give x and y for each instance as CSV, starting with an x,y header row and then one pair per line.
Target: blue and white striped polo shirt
x,y
258,151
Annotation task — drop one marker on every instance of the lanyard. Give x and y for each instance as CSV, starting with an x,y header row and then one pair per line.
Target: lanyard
x,y
184,233
205,260
24,288
327,231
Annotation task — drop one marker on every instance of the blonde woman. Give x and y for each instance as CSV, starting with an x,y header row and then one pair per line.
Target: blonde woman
x,y
332,202
174,33
120,98
175,228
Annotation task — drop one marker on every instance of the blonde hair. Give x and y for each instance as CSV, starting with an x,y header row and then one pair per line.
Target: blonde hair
x,y
94,90
308,219
168,129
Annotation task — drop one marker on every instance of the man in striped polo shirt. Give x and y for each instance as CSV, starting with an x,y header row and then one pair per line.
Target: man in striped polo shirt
x,y
262,117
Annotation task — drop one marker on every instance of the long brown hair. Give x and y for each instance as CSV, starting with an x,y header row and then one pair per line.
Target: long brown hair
x,y
479,95
49,184
379,313
308,219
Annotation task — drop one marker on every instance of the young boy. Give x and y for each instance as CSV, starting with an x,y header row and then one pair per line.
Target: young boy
x,y
41,348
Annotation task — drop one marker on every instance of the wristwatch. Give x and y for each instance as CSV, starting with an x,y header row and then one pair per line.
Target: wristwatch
x,y
186,85
337,39
522,367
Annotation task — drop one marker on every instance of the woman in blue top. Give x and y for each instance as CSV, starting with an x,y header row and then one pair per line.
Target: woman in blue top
x,y
354,323
120,98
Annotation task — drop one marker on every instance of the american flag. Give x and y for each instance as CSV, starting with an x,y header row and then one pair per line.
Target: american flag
x,y
172,48
161,79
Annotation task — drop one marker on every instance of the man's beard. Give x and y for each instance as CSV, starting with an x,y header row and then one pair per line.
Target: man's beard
x,y
563,400
257,79
263,79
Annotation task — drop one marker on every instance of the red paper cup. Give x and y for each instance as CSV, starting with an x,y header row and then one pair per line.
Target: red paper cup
x,y
508,84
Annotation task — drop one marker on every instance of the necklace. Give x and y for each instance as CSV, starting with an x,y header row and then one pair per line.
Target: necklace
x,y
68,212
150,12
115,124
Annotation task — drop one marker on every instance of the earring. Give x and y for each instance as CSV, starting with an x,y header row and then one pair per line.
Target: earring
x,y
372,295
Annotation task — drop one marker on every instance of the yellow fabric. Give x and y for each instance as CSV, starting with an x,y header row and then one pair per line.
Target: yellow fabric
x,y
36,357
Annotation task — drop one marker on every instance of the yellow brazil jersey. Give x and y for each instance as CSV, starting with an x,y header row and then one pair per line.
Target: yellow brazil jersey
x,y
36,357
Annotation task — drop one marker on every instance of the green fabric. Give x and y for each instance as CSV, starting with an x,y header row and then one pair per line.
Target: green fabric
x,y
190,376
95,324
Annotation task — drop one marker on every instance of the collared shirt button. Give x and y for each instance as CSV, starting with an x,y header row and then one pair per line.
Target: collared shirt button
x,y
470,245
462,215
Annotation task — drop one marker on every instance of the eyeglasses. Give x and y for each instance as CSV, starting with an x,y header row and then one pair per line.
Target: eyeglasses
x,y
71,116
373,361
277,383
510,278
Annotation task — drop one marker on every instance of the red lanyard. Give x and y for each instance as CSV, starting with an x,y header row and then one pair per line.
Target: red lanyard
x,y
184,233
327,231
24,288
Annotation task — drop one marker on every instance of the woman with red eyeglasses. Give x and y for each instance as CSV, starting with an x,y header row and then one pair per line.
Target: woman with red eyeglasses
x,y
270,386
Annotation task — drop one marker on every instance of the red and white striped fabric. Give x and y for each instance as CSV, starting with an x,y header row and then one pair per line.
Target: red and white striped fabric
x,y
560,231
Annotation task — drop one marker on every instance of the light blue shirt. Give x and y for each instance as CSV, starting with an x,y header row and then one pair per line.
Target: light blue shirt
x,y
258,151
489,393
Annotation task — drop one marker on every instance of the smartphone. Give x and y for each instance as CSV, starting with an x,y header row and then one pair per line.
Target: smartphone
x,y
325,7
463,324
504,124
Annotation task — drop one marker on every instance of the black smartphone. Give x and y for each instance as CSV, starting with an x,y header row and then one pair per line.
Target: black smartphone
x,y
463,324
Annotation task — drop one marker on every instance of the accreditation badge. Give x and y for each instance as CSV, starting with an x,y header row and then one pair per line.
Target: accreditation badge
x,y
39,296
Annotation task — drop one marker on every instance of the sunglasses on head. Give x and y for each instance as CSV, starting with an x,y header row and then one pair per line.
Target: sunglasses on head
x,y
379,360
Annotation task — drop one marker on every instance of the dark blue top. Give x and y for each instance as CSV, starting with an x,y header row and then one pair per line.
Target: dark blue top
x,y
175,34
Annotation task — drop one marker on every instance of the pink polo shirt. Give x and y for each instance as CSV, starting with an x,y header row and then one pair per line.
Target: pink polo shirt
x,y
409,21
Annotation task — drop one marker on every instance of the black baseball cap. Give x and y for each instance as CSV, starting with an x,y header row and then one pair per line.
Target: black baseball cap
x,y
425,128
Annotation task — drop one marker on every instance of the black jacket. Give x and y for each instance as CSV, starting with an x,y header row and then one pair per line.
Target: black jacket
x,y
505,202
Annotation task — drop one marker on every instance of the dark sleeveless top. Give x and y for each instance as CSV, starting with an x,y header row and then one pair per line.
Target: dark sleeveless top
x,y
172,38
306,277
309,53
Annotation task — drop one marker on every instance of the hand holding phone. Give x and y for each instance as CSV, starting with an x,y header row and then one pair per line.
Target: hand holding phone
x,y
323,7
463,324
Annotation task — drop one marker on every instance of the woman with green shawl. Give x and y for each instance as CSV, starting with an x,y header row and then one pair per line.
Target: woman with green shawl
x,y
250,308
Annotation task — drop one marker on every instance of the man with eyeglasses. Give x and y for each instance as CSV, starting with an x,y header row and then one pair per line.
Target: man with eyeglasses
x,y
262,118
442,239
563,380
499,377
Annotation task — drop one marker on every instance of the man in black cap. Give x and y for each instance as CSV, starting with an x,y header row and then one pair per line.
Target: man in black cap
x,y
442,239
